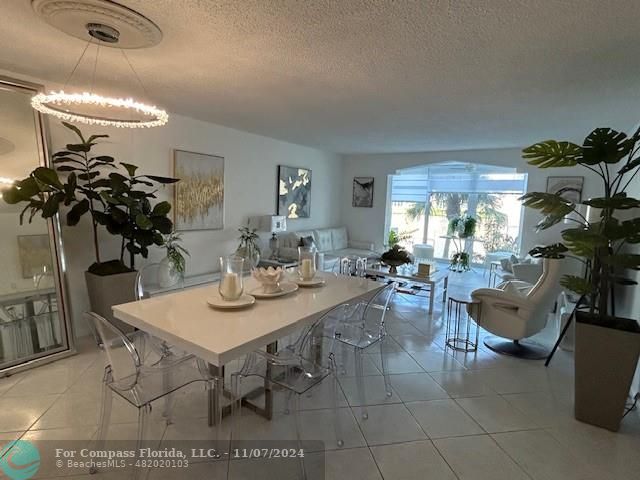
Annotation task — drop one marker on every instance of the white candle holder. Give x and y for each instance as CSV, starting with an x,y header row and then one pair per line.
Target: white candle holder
x,y
307,263
231,280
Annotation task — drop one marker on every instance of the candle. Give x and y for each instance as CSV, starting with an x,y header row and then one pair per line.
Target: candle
x,y
230,288
306,269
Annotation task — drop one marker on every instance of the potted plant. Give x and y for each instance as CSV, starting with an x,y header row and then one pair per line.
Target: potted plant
x,y
249,247
607,346
114,201
394,238
395,257
173,266
461,228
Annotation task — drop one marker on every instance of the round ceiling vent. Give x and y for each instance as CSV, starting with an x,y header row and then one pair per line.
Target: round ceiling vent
x,y
76,18
6,146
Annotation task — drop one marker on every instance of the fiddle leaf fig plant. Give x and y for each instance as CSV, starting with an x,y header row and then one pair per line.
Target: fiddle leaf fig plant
x,y
596,240
92,184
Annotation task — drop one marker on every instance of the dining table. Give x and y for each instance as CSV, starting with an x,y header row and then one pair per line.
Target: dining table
x,y
185,320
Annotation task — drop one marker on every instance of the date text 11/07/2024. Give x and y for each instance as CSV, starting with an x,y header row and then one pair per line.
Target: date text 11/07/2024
x,y
236,453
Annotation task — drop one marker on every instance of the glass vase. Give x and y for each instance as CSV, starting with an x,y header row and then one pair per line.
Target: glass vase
x,y
307,263
231,278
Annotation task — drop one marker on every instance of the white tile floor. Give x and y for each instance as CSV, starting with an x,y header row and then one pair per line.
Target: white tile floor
x,y
452,415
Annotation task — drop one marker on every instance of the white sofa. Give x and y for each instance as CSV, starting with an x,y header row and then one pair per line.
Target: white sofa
x,y
332,244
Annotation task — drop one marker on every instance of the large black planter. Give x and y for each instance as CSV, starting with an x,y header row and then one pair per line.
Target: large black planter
x,y
605,363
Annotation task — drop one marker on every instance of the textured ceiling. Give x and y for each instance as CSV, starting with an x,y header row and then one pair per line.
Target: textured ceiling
x,y
369,75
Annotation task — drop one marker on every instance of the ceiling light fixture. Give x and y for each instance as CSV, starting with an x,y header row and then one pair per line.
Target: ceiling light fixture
x,y
89,107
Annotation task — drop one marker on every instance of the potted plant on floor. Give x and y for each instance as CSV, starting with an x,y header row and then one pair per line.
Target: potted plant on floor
x,y
114,201
461,228
607,346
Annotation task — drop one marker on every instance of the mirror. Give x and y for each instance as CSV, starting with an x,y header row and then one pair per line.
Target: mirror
x,y
33,324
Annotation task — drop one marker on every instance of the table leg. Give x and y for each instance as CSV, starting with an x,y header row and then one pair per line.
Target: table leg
x,y
445,291
215,395
272,348
432,292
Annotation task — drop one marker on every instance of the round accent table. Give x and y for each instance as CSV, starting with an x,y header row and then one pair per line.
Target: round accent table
x,y
460,326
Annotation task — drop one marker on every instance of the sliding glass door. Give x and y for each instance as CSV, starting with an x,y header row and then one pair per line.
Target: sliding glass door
x,y
425,199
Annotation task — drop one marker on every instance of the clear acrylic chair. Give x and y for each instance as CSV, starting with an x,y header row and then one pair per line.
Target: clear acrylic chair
x,y
141,385
297,368
153,349
360,327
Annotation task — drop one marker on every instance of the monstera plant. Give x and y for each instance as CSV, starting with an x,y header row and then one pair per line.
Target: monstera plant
x,y
602,229
92,185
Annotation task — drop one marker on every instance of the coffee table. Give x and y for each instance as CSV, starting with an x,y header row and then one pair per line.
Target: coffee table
x,y
420,283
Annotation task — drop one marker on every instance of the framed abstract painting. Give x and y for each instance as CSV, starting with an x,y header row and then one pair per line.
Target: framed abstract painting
x,y
199,195
34,252
294,192
362,192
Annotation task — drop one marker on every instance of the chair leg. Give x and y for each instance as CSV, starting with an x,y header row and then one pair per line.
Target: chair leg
x,y
360,382
385,373
214,410
105,418
336,412
168,399
287,402
343,357
296,416
143,423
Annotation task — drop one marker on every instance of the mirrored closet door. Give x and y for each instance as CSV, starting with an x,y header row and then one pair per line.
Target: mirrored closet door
x,y
34,327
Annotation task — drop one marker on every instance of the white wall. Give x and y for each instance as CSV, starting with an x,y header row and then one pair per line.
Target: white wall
x,y
368,223
250,187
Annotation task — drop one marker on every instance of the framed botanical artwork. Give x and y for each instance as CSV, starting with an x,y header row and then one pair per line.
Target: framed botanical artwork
x,y
569,188
294,192
199,195
34,253
362,192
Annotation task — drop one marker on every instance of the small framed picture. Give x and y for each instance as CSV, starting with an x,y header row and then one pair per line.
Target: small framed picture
x,y
569,188
363,192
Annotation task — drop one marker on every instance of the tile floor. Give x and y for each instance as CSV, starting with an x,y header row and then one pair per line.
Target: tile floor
x,y
451,416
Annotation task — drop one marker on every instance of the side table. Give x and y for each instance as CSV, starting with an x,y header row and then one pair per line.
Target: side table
x,y
459,324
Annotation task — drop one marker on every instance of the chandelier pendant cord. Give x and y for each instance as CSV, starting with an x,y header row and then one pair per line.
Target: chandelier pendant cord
x,y
95,67
75,67
135,74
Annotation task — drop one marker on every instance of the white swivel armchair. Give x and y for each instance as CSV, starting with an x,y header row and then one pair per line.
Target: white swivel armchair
x,y
514,317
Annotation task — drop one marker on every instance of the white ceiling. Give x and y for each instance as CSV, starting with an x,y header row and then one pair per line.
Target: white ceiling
x,y
370,75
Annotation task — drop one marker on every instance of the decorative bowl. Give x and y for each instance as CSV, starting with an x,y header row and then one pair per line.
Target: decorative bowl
x,y
269,278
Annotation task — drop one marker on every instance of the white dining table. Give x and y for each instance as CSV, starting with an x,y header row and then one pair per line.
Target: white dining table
x,y
184,319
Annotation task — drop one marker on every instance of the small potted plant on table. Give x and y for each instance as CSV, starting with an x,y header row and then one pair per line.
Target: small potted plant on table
x,y
173,266
249,247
